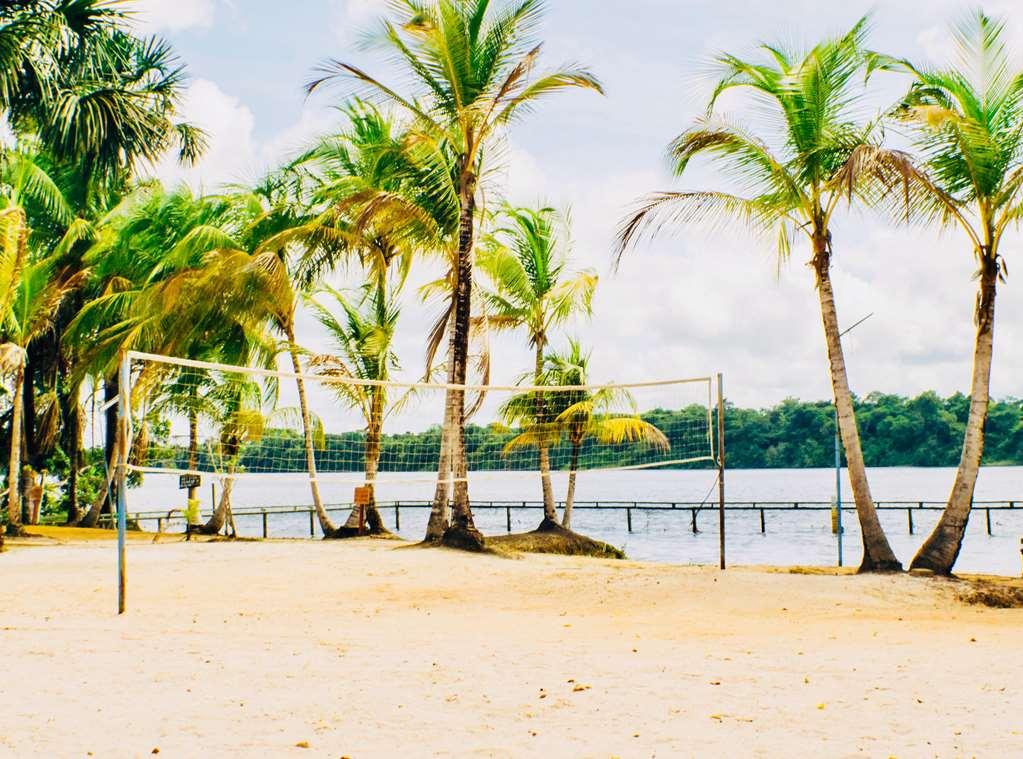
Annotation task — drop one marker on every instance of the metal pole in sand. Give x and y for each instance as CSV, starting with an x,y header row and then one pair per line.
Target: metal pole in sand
x,y
123,401
838,457
721,467
838,486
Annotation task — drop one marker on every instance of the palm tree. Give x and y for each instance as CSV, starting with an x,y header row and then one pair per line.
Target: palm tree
x,y
967,125
38,295
472,68
364,337
822,156
606,415
95,94
526,260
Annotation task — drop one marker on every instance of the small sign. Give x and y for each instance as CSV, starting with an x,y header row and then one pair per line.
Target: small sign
x,y
187,481
363,495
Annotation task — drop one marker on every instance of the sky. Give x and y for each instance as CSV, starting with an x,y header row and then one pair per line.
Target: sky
x,y
692,303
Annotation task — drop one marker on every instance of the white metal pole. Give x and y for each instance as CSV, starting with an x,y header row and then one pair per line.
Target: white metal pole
x,y
721,467
123,409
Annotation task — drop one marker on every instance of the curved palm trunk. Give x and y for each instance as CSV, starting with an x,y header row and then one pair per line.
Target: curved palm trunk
x,y
14,461
462,533
74,434
550,513
439,517
91,518
566,518
326,525
941,549
877,553
374,435
220,514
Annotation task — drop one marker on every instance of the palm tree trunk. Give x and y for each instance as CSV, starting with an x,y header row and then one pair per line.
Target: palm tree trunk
x,y
110,395
941,549
74,437
877,553
439,518
219,517
374,434
91,518
566,518
462,533
550,514
14,462
326,525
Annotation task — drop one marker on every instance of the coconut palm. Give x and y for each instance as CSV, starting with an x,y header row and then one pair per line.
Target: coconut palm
x,y
471,64
363,334
797,180
38,295
966,121
606,415
379,198
526,261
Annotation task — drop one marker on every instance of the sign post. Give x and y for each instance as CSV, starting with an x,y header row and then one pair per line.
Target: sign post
x,y
189,481
363,497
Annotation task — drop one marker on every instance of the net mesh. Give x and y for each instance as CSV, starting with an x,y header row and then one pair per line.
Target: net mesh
x,y
195,418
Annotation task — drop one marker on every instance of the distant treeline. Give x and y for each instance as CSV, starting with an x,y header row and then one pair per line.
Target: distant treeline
x,y
923,431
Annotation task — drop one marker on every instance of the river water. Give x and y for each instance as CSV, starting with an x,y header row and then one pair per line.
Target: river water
x,y
792,537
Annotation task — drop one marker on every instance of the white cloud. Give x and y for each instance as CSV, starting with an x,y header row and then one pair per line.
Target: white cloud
x,y
349,18
232,154
174,15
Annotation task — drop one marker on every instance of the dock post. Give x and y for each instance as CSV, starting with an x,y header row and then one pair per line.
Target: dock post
x,y
397,515
507,518
312,525
763,523
909,517
628,517
266,532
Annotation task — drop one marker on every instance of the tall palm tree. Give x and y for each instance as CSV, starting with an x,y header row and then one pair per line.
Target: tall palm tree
x,y
30,290
39,293
471,64
355,196
526,261
363,335
820,156
966,121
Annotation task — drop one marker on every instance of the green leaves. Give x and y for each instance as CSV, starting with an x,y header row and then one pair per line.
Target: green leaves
x,y
526,260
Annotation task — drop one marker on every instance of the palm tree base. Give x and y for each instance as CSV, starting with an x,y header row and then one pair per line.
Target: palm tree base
x,y
464,538
551,537
926,564
16,531
869,566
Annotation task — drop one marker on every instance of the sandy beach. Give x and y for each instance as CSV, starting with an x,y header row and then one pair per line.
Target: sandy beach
x,y
367,648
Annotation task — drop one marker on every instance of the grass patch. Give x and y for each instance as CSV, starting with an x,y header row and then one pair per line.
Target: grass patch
x,y
555,539
993,592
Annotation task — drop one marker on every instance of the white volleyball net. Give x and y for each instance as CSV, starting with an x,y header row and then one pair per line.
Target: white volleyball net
x,y
190,418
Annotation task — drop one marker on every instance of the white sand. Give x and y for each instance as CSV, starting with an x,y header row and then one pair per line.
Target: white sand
x,y
361,649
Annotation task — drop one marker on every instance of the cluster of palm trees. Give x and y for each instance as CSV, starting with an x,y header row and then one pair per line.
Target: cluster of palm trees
x,y
95,261
966,171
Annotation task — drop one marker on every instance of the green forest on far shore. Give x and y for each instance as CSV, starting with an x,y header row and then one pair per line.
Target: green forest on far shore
x,y
924,431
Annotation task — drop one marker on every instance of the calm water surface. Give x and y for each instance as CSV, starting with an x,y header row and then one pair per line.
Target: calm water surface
x,y
791,537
